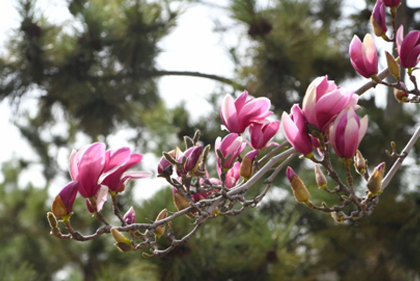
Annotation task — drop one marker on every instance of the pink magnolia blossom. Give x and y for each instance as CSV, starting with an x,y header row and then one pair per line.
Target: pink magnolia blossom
x,y
231,145
238,114
193,157
117,162
408,47
363,56
391,3
261,133
323,100
130,216
347,132
378,19
86,166
294,128
232,176
63,202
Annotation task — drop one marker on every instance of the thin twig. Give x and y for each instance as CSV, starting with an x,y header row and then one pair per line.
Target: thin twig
x,y
397,164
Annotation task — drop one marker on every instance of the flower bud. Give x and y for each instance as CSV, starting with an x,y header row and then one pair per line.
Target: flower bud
x,y
164,166
393,66
320,178
374,183
400,96
338,216
245,169
359,163
179,200
298,187
159,230
63,202
378,19
130,216
122,242
52,220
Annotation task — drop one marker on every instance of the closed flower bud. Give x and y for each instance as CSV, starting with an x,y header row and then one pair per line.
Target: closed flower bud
x,y
393,66
359,163
378,19
247,163
159,230
63,202
320,178
374,183
122,242
298,187
338,216
400,96
130,216
180,201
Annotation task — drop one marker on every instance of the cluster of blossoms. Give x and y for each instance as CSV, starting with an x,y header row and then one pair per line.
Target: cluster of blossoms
x,y
237,115
327,115
326,119
95,172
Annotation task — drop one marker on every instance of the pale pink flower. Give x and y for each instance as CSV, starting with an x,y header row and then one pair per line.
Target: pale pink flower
x,y
347,132
323,100
294,129
363,56
262,132
238,114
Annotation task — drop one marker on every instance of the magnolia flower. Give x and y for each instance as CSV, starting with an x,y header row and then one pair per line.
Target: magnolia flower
x,y
117,162
294,128
86,166
408,47
231,145
130,216
363,56
232,176
261,133
378,19
63,202
238,114
391,3
323,100
346,133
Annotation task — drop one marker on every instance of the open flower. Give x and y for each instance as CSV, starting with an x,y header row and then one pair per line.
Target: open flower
x,y
86,166
117,163
346,133
262,132
294,128
323,101
363,56
408,47
238,114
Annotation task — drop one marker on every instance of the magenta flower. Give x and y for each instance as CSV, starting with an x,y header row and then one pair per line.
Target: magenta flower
x,y
378,19
130,216
363,56
193,155
391,3
117,162
261,133
294,128
238,114
86,166
231,145
323,100
347,132
63,202
232,176
408,47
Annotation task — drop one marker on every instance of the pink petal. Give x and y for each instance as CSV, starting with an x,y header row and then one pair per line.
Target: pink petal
x,y
102,197
116,158
229,114
91,165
